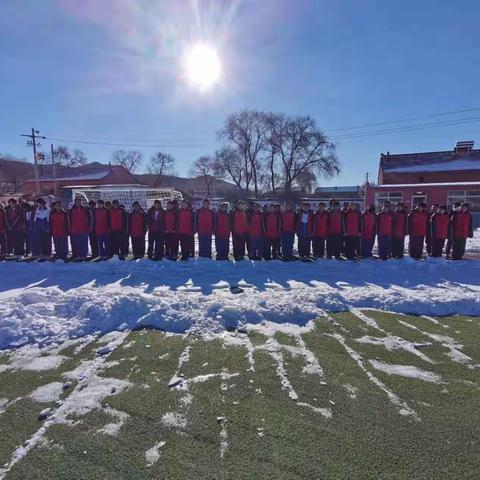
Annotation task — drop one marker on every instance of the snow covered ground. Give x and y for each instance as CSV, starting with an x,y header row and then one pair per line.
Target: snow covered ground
x,y
47,303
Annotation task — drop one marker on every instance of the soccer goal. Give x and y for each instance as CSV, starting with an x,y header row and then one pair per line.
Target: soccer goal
x,y
126,195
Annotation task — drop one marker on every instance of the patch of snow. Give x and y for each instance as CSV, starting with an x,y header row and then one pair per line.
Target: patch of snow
x,y
326,412
241,340
152,455
174,421
406,371
48,393
78,300
352,391
113,428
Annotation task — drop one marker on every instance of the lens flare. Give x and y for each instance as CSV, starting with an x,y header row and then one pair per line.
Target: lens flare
x,y
203,67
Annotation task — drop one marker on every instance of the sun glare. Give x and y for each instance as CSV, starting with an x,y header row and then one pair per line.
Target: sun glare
x,y
203,68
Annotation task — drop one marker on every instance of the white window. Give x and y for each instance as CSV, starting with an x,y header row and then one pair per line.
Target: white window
x,y
418,198
470,197
392,197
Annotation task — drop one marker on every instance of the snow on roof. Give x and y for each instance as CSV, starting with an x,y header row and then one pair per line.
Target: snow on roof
x,y
430,162
96,174
444,184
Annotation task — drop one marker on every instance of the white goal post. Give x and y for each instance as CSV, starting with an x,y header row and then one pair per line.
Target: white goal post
x,y
127,194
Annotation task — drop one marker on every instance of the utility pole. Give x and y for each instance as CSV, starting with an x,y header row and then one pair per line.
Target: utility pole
x,y
54,171
33,142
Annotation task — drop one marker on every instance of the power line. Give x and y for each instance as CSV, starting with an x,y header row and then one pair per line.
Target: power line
x,y
137,145
33,142
411,119
410,128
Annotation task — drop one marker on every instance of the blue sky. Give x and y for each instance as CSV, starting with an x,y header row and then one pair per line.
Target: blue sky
x,y
110,70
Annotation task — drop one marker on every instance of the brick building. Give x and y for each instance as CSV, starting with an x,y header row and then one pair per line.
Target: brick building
x,y
431,177
81,176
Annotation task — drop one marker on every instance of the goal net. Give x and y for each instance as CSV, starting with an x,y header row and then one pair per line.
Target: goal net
x,y
127,195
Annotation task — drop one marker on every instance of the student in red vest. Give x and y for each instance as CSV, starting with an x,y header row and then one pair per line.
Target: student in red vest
x,y
256,235
137,222
334,231
352,231
16,228
205,223
101,227
80,226
369,231
156,231
3,233
417,226
288,224
186,229
428,238
448,248
384,231
320,228
118,230
222,232
439,230
461,224
93,235
171,231
399,231
239,223
305,221
59,229
272,233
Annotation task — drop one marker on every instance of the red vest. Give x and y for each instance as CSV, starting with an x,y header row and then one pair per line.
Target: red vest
x,y
222,224
418,223
239,222
288,221
352,222
137,224
102,224
256,224
117,220
399,224
384,224
461,224
321,224
171,221
335,223
272,225
185,222
16,219
3,224
59,224
205,221
79,221
369,223
440,223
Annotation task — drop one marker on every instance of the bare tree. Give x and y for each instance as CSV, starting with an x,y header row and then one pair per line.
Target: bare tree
x,y
130,160
64,157
229,165
300,147
306,181
244,132
208,169
161,164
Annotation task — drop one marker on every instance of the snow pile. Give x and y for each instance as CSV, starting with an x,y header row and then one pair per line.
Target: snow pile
x,y
49,302
408,371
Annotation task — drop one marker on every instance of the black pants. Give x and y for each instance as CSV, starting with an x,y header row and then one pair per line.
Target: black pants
x,y
458,248
416,246
119,243
272,248
318,244
398,246
448,247
334,245
171,245
304,246
437,246
94,244
16,242
138,246
352,247
187,245
156,245
429,243
239,244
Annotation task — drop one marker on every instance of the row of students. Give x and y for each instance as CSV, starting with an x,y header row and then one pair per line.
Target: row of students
x,y
263,234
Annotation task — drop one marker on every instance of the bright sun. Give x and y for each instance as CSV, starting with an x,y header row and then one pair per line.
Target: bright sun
x,y
202,66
